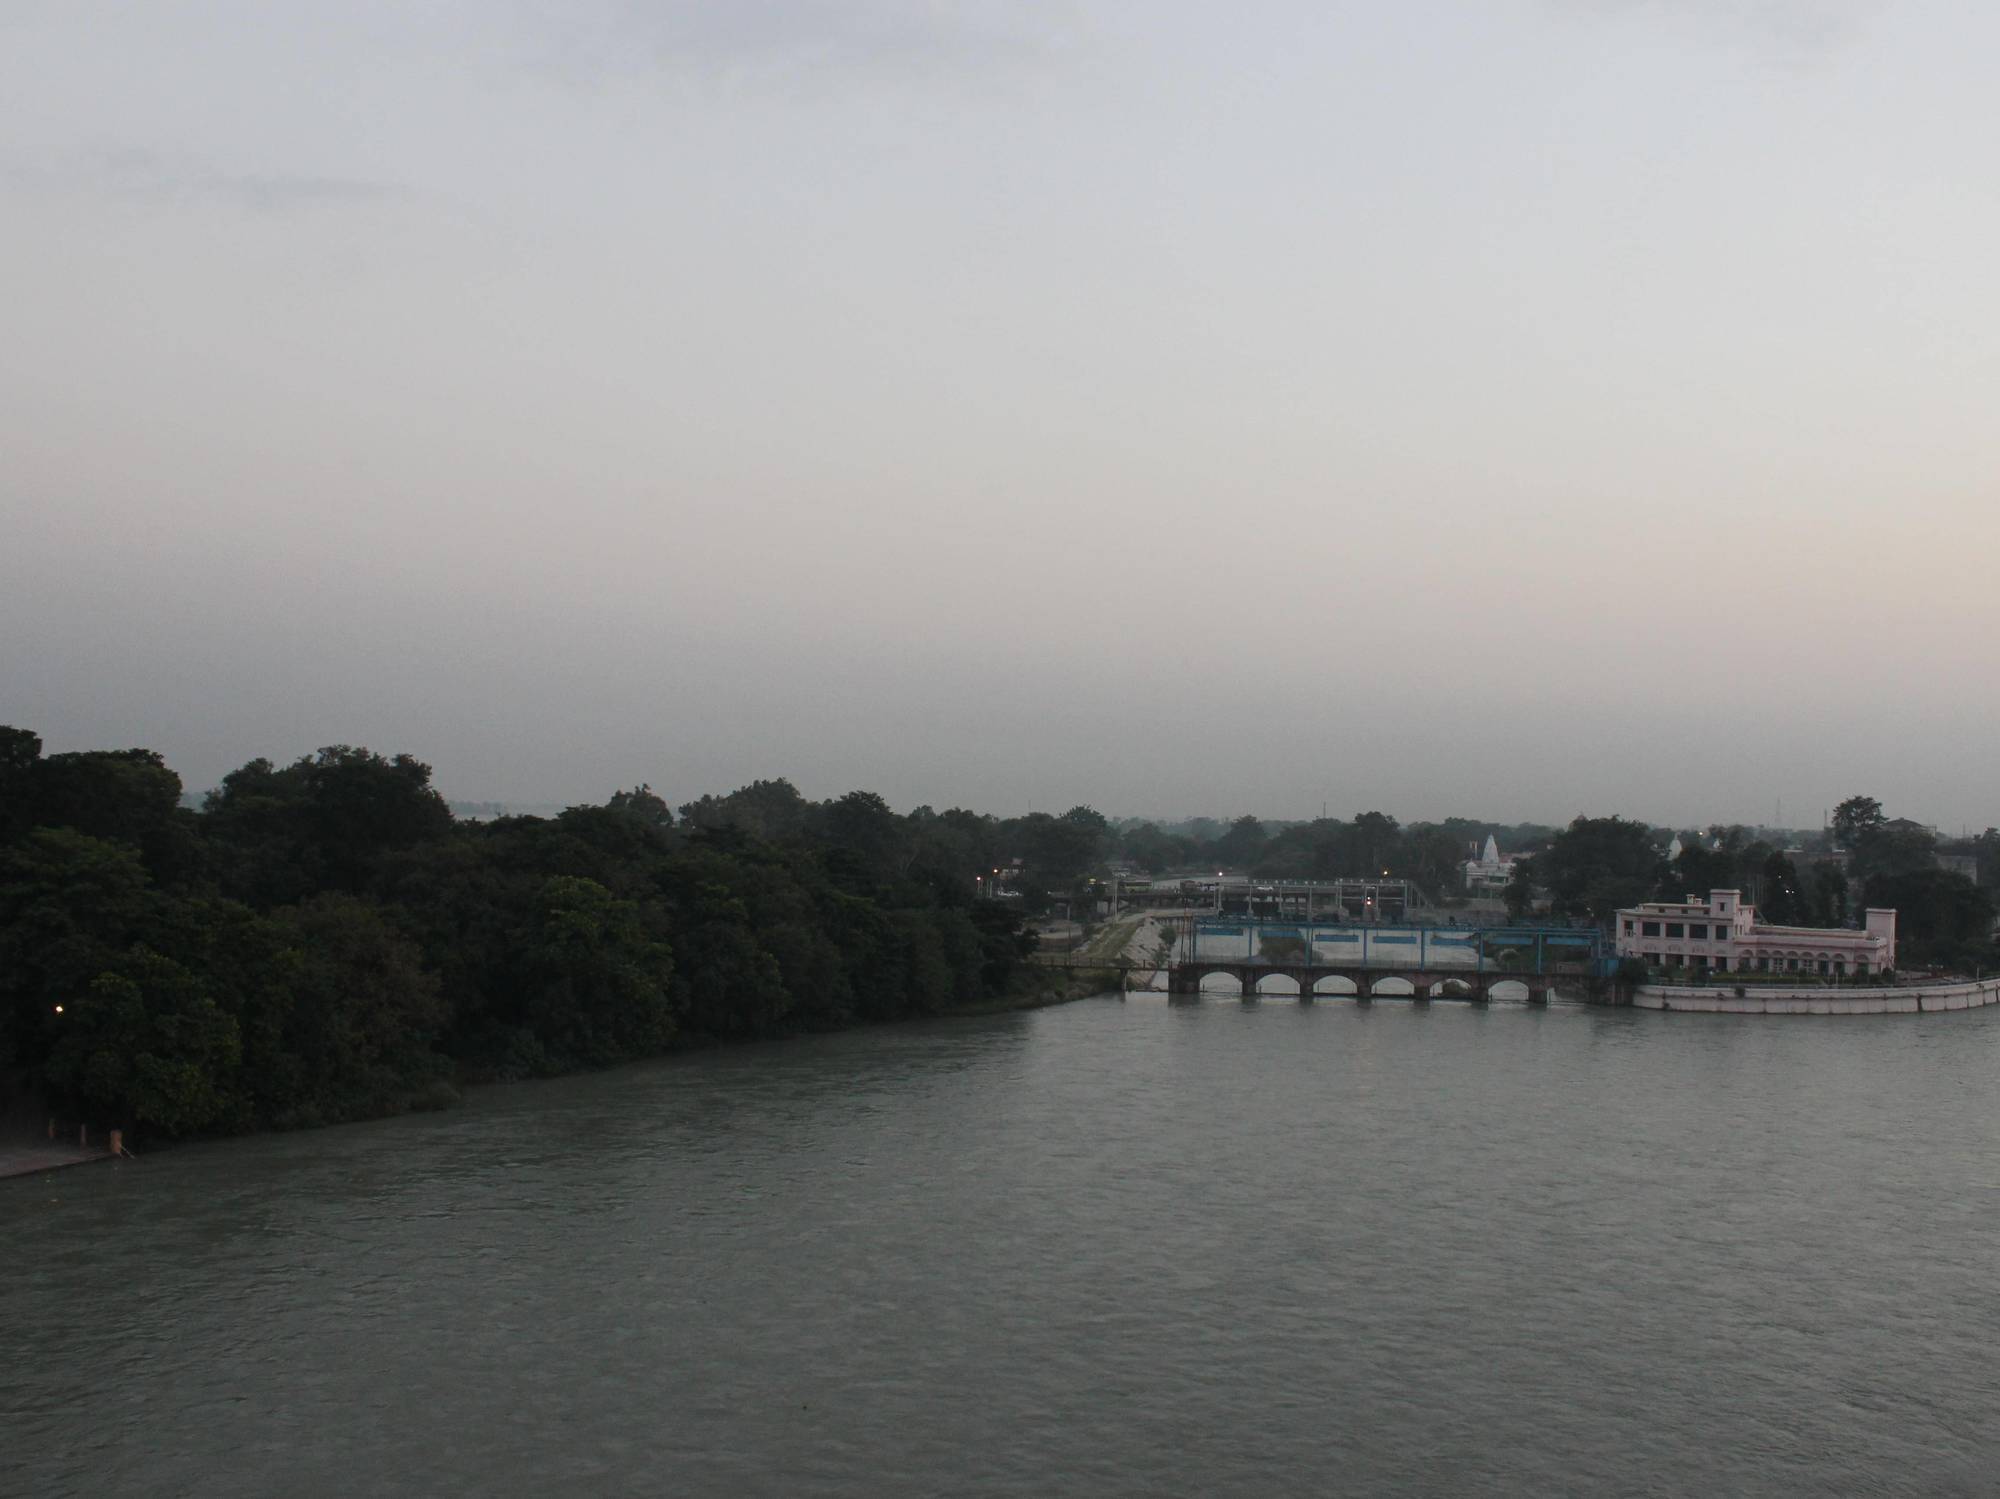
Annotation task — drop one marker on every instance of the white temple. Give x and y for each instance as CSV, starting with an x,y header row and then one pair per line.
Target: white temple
x,y
1489,870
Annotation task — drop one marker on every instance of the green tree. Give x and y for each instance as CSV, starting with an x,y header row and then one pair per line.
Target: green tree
x,y
1781,902
1697,871
1826,896
771,810
1729,837
325,822
1292,853
595,978
1060,851
861,825
1854,819
70,907
1598,865
643,805
1155,851
1003,946
1941,916
1432,858
20,755
1242,847
361,1033
126,796
1893,849
146,1045
1372,846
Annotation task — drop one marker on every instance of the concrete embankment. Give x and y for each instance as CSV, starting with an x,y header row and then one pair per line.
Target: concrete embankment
x,y
1901,999
1126,949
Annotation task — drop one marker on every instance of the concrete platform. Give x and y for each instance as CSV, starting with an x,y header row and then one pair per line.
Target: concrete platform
x,y
27,1158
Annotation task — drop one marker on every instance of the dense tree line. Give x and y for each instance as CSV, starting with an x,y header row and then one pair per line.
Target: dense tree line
x,y
323,940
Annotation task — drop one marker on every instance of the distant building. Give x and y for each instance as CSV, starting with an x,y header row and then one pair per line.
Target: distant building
x,y
1488,870
1723,934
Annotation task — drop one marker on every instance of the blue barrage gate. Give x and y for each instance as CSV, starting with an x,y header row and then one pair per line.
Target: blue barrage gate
x,y
1537,950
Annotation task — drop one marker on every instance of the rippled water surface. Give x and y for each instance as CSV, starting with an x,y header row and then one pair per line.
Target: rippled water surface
x,y
1122,1247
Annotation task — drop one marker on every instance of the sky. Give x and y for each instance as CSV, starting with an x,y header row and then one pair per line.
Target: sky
x,y
1501,408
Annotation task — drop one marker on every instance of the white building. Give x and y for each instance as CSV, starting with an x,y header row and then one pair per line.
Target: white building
x,y
1723,934
1489,871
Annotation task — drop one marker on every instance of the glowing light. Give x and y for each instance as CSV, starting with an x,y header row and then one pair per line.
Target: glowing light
x,y
59,1009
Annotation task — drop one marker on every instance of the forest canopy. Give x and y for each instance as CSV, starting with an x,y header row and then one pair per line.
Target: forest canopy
x,y
324,940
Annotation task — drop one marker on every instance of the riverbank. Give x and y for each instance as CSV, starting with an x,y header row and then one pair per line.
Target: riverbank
x,y
1925,999
1042,988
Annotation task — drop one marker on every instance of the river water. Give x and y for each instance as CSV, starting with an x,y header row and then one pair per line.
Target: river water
x,y
1121,1247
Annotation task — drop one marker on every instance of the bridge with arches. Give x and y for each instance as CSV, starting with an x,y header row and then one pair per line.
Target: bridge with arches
x,y
1374,962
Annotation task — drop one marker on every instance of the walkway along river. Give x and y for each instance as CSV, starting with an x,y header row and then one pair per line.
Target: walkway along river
x,y
1118,1247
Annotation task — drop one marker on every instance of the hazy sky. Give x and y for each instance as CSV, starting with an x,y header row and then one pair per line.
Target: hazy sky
x,y
1501,407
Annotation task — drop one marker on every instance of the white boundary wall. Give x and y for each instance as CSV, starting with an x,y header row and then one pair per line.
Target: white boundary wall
x,y
1907,999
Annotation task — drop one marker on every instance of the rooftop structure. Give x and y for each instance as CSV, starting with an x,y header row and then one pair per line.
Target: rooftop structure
x,y
1722,934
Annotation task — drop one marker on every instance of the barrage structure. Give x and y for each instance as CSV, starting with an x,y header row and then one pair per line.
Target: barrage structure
x,y
1362,960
